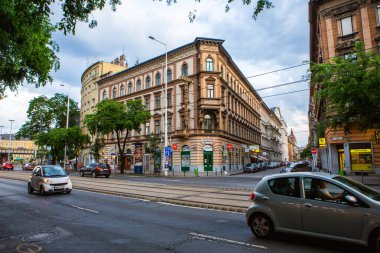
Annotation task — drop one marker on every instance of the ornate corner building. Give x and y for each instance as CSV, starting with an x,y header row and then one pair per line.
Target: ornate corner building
x,y
213,110
335,25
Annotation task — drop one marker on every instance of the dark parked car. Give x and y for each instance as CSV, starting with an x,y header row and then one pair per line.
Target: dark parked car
x,y
95,170
7,166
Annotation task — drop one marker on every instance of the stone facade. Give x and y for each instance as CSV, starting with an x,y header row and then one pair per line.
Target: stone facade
x,y
335,25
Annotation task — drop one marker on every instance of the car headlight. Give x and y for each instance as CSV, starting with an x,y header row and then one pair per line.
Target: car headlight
x,y
46,180
68,180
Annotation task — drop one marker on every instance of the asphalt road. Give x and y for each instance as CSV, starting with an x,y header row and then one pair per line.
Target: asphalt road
x,y
91,222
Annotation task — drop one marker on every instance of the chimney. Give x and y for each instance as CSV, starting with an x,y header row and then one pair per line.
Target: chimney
x,y
122,60
117,62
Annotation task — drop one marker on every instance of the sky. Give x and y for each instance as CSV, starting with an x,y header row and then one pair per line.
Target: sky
x,y
278,39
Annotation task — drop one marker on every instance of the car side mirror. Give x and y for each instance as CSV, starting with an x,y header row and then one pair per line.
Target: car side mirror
x,y
67,173
351,200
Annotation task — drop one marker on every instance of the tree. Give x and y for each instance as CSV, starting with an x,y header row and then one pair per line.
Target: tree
x,y
76,141
27,51
351,89
306,152
116,118
45,114
150,147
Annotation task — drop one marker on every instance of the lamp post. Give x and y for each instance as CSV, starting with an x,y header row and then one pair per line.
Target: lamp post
x,y
67,121
1,132
10,139
166,106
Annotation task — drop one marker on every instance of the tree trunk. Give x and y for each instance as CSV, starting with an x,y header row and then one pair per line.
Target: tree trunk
x,y
121,162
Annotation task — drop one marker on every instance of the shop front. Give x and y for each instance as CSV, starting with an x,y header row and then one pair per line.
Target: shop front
x,y
207,158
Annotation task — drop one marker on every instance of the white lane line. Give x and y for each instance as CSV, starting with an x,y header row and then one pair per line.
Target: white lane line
x,y
209,237
84,209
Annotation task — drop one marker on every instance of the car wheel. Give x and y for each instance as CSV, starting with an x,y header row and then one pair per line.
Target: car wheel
x,y
107,176
93,175
68,191
42,191
374,241
30,188
261,226
81,173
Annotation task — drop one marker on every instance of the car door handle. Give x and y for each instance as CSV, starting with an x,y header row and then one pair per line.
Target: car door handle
x,y
307,205
265,198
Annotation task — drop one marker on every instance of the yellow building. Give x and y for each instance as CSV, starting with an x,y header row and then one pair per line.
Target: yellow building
x,y
89,92
19,149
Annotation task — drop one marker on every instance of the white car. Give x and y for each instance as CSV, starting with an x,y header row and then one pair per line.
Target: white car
x,y
49,179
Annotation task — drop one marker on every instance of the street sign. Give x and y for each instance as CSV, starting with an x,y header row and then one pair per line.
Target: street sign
x,y
314,150
168,151
175,146
229,146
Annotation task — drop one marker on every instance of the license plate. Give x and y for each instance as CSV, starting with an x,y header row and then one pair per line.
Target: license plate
x,y
59,187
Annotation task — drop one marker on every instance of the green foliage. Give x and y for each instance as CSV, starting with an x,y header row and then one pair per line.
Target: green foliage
x,y
96,147
351,88
45,114
306,152
151,145
111,116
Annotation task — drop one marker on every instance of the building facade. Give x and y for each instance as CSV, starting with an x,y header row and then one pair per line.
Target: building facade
x,y
283,135
335,25
213,111
292,147
16,150
271,140
90,93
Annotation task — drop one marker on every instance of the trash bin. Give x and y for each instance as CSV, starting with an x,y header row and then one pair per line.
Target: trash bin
x,y
196,172
138,169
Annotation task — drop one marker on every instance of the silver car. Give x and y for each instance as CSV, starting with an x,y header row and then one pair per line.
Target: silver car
x,y
49,179
316,204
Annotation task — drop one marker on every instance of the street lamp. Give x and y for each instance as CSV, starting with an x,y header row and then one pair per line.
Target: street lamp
x,y
10,139
166,160
67,120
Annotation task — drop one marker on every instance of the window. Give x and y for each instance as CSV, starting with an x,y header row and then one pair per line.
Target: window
x,y
184,69
210,90
169,125
346,25
130,88
158,102
138,85
157,127
169,75
158,79
285,186
114,92
93,102
147,82
207,122
228,77
221,72
147,129
209,64
322,190
122,90
169,99
104,94
184,123
147,104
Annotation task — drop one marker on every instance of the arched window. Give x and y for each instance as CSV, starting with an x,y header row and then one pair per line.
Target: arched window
x,y
184,69
138,85
209,64
104,94
207,122
147,82
158,79
114,92
129,88
169,75
122,90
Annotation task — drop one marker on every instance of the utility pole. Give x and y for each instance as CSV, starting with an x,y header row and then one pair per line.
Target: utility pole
x,y
10,139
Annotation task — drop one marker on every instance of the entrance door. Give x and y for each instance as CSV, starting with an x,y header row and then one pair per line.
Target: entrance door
x,y
208,160
128,162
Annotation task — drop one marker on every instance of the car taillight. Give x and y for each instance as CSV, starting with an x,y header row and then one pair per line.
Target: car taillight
x,y
252,197
97,169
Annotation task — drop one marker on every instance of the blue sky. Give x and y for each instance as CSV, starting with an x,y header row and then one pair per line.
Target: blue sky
x,y
278,39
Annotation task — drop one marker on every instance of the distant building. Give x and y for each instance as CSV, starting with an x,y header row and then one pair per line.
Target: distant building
x,y
335,26
20,150
292,147
283,135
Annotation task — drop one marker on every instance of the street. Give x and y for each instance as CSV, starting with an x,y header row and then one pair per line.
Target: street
x,y
92,222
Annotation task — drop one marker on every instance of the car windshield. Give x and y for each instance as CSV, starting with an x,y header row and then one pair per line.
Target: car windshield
x,y
370,193
103,166
292,165
53,171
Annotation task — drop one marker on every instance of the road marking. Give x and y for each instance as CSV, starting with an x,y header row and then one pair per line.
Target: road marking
x,y
84,209
210,237
28,248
